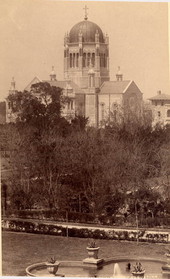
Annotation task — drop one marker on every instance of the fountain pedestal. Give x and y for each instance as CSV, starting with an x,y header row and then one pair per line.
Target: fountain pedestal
x,y
52,267
166,267
139,274
92,261
93,256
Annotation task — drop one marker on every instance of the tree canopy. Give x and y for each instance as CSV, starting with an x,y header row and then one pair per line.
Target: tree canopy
x,y
55,162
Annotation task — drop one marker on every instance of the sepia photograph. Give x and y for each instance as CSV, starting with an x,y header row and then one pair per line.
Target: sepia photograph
x,y
85,139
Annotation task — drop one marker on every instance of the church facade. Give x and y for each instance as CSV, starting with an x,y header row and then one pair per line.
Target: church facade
x,y
87,80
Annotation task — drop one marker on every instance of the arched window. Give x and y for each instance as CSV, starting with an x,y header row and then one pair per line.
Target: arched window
x,y
74,60
101,59
71,65
84,59
88,59
77,60
114,105
93,59
104,60
168,113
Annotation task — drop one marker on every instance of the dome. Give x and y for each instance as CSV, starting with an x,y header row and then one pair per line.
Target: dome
x,y
88,30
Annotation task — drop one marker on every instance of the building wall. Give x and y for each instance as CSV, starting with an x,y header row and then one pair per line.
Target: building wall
x,y
80,104
108,104
113,107
91,108
2,112
132,100
160,111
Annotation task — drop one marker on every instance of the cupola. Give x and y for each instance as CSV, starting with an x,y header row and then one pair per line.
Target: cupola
x,y
12,88
52,74
119,75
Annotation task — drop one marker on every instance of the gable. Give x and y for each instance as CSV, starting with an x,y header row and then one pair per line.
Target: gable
x,y
132,98
34,81
132,88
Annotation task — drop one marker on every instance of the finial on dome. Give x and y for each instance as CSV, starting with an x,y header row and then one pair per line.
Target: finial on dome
x,y
86,14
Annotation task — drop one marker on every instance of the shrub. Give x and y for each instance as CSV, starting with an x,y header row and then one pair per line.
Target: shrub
x,y
41,228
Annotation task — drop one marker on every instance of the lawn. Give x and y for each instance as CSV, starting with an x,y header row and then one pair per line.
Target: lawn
x,y
19,250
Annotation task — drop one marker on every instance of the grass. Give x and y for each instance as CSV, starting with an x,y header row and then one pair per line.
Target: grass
x,y
20,250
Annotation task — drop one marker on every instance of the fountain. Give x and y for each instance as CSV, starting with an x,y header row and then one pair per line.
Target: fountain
x,y
109,268
138,270
116,271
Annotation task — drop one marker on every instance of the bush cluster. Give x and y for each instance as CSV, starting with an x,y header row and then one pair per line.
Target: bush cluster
x,y
112,234
54,215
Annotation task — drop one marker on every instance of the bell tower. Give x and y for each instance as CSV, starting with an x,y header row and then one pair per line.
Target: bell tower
x,y
86,44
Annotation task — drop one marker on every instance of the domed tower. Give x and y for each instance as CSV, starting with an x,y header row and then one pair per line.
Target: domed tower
x,y
86,45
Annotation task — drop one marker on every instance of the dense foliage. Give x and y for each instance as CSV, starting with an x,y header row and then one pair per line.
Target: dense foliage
x,y
61,165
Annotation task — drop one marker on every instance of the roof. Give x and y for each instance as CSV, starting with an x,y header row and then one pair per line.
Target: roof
x,y
160,97
58,83
88,30
116,87
63,83
34,81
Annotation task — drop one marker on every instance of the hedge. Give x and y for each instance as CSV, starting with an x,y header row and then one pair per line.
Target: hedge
x,y
78,231
53,215
88,218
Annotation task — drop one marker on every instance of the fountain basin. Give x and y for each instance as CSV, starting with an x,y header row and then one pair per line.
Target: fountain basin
x,y
78,269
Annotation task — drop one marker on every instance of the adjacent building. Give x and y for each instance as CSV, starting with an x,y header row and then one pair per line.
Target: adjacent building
x,y
160,106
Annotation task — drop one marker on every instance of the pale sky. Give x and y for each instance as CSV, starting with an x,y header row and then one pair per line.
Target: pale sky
x,y
32,36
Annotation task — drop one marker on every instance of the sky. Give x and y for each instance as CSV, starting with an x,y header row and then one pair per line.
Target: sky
x,y
32,36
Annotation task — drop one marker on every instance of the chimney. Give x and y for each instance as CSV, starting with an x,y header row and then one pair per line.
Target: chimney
x,y
159,92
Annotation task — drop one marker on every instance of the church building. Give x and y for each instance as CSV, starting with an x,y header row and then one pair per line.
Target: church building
x,y
87,79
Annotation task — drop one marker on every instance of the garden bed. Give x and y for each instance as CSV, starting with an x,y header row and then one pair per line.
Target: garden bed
x,y
42,227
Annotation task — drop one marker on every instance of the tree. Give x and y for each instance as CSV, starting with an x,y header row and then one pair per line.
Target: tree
x,y
79,123
93,160
37,155
40,108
